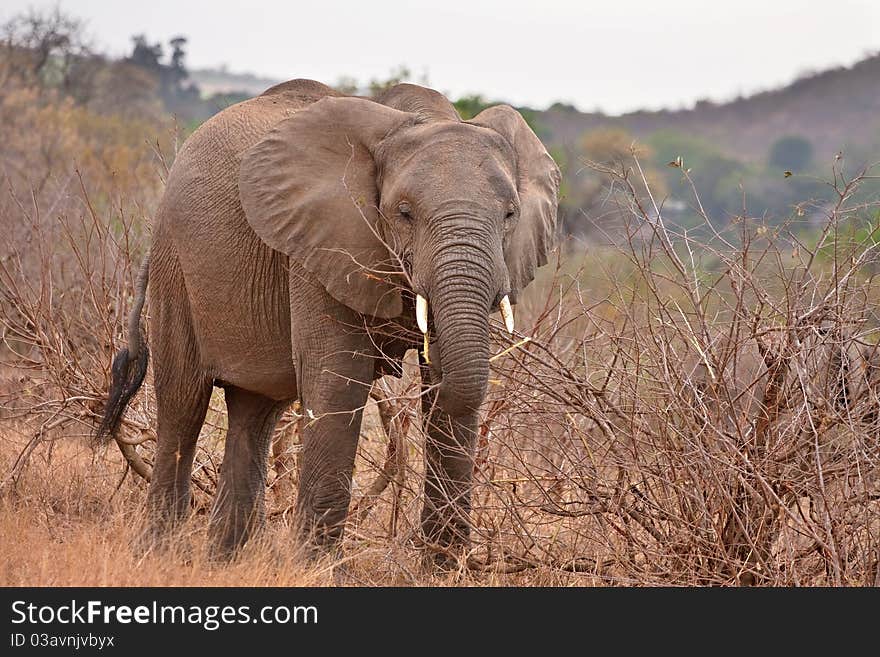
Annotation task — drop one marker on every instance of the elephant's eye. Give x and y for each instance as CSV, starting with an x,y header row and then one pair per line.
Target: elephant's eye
x,y
510,215
405,210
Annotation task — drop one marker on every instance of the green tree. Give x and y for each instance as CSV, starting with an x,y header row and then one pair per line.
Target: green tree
x,y
716,175
178,94
469,106
585,191
792,153
49,49
398,75
560,106
347,85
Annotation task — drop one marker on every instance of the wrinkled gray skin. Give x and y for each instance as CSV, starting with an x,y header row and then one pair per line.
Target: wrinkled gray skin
x,y
273,254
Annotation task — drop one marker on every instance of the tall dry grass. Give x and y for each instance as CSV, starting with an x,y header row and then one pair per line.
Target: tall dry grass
x,y
685,407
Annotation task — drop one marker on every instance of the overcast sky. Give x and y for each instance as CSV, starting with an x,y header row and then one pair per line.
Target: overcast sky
x,y
615,55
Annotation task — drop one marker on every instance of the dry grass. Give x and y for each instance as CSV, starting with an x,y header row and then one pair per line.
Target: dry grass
x,y
68,522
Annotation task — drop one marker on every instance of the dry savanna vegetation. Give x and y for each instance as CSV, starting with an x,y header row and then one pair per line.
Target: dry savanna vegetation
x,y
693,406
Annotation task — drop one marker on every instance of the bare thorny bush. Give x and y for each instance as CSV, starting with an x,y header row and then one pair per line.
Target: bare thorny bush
x,y
684,407
711,418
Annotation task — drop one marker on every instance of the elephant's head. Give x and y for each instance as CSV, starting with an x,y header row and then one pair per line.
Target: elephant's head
x,y
355,190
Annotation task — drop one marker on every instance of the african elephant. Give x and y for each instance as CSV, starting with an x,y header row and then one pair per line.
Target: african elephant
x,y
305,241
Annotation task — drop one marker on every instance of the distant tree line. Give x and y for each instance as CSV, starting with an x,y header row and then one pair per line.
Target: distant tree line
x,y
727,187
49,50
175,89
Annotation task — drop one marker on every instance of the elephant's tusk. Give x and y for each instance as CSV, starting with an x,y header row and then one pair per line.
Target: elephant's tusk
x,y
422,313
426,347
507,313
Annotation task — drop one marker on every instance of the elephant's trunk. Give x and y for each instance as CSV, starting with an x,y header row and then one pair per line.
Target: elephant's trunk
x,y
461,297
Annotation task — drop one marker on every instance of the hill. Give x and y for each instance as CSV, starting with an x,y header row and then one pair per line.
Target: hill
x,y
837,109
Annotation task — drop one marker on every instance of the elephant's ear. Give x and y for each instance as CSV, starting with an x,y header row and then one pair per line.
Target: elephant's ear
x,y
529,244
308,189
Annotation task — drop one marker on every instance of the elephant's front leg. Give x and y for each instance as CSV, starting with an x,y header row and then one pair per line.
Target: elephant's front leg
x,y
333,405
449,463
335,362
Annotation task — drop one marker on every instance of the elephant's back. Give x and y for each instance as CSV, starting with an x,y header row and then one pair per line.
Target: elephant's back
x,y
240,126
221,140
200,206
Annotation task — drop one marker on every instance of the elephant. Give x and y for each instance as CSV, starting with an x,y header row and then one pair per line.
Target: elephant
x,y
305,241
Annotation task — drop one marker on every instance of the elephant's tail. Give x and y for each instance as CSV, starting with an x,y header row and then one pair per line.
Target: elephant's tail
x,y
129,365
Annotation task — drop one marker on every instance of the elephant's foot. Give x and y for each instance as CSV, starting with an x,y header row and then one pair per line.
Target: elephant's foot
x,y
437,562
317,541
230,529
224,547
163,539
150,540
321,513
446,543
166,515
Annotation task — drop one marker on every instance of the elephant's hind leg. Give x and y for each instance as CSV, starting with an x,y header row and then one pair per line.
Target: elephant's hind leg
x,y
181,407
183,391
182,396
239,508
